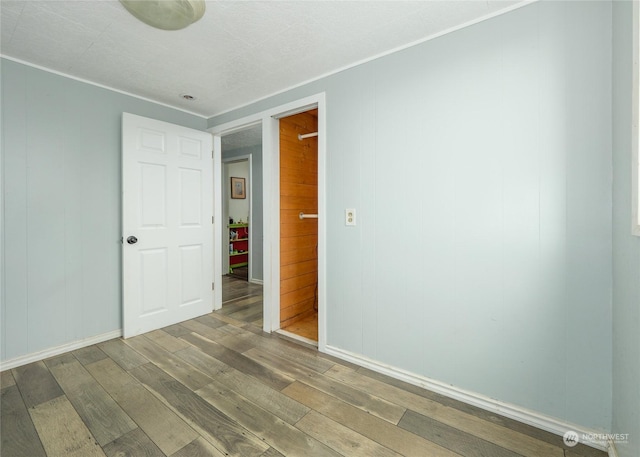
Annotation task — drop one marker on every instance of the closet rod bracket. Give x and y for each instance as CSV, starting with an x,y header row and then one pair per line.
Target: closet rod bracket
x,y
307,135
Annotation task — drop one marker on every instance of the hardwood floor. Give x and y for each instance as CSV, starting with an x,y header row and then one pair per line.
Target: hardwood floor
x,y
241,300
217,385
306,327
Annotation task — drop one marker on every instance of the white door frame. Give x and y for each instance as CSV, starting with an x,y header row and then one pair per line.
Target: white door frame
x,y
271,204
218,223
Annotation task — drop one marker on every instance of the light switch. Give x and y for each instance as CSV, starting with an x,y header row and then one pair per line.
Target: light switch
x,y
350,216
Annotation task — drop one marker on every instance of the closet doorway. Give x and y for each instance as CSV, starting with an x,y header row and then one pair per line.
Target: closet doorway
x,y
299,225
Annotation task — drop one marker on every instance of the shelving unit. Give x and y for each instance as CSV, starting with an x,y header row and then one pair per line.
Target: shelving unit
x,y
238,246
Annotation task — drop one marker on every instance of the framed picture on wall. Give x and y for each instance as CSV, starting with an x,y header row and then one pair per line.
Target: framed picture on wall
x,y
237,188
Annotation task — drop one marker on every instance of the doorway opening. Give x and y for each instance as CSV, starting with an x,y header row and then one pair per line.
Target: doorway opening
x,y
236,211
299,224
242,222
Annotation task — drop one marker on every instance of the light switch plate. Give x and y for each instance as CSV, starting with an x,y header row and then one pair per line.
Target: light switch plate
x,y
350,216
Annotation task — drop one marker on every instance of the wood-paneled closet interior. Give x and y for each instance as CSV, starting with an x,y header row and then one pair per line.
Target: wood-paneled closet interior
x,y
299,237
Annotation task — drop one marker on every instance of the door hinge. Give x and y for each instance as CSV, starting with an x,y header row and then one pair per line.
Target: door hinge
x,y
213,286
212,154
213,219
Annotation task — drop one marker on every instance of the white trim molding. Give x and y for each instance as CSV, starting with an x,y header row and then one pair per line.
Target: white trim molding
x,y
402,47
102,86
612,451
218,251
51,352
526,416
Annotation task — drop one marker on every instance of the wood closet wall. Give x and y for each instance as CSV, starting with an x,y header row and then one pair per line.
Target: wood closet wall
x,y
298,238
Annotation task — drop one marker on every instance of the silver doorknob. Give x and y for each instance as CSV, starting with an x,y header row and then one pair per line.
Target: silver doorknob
x,y
132,240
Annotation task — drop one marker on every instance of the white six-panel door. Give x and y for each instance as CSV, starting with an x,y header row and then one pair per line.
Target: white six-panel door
x,y
167,198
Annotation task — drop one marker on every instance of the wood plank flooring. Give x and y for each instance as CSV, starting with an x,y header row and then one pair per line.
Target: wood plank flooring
x,y
241,300
306,327
218,386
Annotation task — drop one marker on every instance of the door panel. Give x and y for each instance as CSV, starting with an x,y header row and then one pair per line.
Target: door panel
x,y
153,275
191,284
190,198
168,207
153,208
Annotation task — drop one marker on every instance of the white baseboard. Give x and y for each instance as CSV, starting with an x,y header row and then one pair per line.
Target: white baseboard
x,y
613,452
541,421
51,352
257,281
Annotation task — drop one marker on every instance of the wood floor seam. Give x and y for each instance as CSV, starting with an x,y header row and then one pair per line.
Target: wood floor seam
x,y
218,386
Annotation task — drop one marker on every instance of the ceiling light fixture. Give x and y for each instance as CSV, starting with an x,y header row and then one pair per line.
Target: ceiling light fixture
x,y
166,14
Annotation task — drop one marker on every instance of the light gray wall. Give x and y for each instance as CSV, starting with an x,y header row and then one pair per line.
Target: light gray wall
x,y
62,207
480,166
626,248
257,208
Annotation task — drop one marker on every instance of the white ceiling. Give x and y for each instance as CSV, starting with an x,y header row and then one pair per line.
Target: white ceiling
x,y
239,52
250,136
